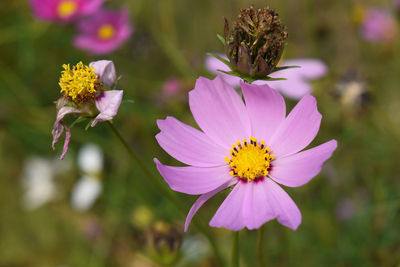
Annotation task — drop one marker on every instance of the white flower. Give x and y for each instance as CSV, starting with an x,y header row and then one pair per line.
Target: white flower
x,y
90,159
85,192
37,180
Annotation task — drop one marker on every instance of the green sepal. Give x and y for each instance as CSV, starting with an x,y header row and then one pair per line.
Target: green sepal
x,y
222,39
226,62
89,123
250,79
284,68
245,77
114,85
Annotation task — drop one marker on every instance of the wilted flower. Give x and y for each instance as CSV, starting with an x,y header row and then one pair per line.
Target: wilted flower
x,y
86,93
250,146
378,26
103,32
255,44
64,10
297,83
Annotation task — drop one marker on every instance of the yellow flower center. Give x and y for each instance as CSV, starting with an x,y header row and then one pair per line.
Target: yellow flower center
x,y
106,32
249,160
80,83
66,8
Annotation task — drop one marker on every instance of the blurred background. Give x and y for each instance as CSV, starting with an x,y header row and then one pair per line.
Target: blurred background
x,y
57,213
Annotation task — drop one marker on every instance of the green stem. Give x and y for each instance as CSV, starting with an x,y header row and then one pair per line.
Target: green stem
x,y
260,243
235,249
166,193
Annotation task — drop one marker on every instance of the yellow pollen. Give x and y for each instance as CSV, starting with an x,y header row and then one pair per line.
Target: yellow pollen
x,y
66,8
80,83
106,32
249,160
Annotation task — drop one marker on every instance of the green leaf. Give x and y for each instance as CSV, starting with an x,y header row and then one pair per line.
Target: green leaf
x,y
222,39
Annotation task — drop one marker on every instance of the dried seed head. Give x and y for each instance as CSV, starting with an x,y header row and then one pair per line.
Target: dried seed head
x,y
255,45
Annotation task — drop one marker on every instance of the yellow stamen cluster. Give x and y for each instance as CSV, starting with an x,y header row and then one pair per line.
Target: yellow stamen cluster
x,y
106,32
66,8
80,83
249,160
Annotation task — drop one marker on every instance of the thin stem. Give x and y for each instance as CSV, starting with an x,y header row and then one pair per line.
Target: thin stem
x,y
166,193
235,249
260,243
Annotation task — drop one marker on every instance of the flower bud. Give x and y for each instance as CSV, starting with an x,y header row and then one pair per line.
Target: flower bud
x,y
163,242
256,42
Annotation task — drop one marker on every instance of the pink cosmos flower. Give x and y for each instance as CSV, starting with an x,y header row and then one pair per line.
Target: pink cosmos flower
x,y
396,5
171,87
103,32
379,26
64,10
249,146
107,104
297,83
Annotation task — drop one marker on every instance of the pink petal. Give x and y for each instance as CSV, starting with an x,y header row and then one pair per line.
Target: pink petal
x,y
90,6
310,68
298,169
189,145
293,87
202,199
257,209
66,141
297,83
266,109
284,207
219,111
298,129
253,204
44,9
59,128
105,69
213,65
229,214
194,180
107,103
87,38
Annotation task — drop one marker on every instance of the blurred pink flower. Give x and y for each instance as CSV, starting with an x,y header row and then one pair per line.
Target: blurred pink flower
x,y
103,32
171,87
232,151
297,83
64,10
396,5
378,26
107,104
